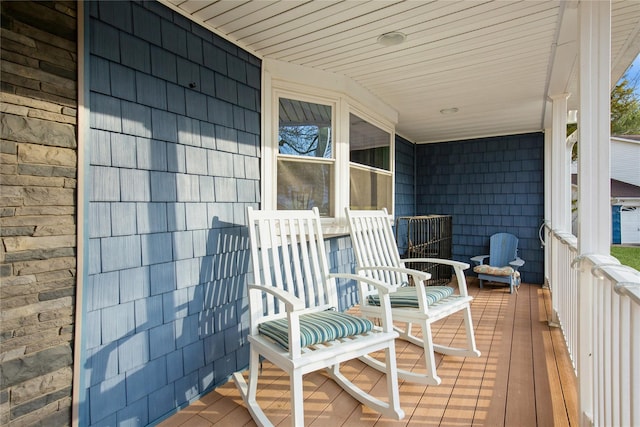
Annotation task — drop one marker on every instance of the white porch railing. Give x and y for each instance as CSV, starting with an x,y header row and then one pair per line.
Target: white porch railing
x,y
596,302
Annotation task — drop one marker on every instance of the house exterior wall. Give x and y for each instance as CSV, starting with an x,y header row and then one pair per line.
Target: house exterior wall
x,y
488,185
625,158
174,147
405,190
174,159
38,164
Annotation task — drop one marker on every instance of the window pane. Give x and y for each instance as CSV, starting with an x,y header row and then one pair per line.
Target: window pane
x,y
368,144
304,185
304,128
369,189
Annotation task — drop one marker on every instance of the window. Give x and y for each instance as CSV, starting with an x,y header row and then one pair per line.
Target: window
x,y
305,169
370,165
323,149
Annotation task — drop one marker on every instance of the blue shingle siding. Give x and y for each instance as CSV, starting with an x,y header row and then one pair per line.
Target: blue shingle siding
x,y
100,147
122,83
100,220
177,96
194,47
164,125
196,105
134,414
135,185
151,154
163,64
120,227
173,151
105,113
107,397
118,321
104,41
146,379
101,364
148,312
118,16
188,73
227,139
163,401
196,159
99,76
187,388
405,177
136,119
133,351
145,25
136,55
103,291
489,185
120,252
134,284
220,112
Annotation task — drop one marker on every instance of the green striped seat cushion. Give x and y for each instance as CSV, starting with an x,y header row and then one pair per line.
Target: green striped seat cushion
x,y
317,328
408,297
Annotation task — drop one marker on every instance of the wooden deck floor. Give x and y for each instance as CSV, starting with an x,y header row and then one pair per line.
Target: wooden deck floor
x,y
523,378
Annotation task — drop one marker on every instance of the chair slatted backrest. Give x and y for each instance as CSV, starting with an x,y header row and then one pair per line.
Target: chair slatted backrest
x,y
503,249
288,252
374,244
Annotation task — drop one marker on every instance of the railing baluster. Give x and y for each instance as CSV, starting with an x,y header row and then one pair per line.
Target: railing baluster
x,y
612,357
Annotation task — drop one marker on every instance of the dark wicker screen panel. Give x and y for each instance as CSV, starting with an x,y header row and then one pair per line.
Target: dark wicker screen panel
x,y
426,236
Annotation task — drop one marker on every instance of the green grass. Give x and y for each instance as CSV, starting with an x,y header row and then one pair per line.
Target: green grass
x,y
627,255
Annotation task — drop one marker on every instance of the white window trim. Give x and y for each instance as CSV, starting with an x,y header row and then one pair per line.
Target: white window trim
x,y
345,97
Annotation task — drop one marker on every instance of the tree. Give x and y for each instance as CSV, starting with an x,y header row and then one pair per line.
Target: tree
x,y
625,108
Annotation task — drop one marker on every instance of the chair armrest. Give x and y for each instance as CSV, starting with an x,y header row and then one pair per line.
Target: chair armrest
x,y
479,259
381,286
452,263
458,269
417,274
383,291
517,263
292,303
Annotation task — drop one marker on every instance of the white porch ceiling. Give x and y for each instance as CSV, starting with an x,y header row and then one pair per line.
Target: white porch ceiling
x,y
496,61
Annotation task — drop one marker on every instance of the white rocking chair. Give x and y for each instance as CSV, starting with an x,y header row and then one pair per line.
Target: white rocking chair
x,y
294,319
377,257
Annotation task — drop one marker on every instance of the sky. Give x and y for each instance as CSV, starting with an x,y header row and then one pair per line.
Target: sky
x,y
633,75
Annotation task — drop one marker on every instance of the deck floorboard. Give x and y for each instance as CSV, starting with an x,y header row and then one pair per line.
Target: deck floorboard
x,y
524,377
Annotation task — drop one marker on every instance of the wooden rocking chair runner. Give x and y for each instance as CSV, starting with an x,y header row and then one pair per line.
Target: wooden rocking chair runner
x,y
294,319
377,257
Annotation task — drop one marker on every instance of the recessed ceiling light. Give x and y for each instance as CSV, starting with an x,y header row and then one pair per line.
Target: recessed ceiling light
x,y
449,110
392,39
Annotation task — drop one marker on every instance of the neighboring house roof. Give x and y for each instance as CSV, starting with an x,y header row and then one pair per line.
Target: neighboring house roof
x,y
623,189
635,138
619,189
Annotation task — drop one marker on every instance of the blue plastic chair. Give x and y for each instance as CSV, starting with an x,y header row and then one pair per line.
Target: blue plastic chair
x,y
503,262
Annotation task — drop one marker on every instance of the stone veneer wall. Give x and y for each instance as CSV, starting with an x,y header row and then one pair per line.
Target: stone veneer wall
x,y
38,158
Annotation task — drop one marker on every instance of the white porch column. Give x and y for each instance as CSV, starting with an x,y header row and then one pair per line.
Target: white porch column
x,y
548,202
594,206
560,186
560,166
594,212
